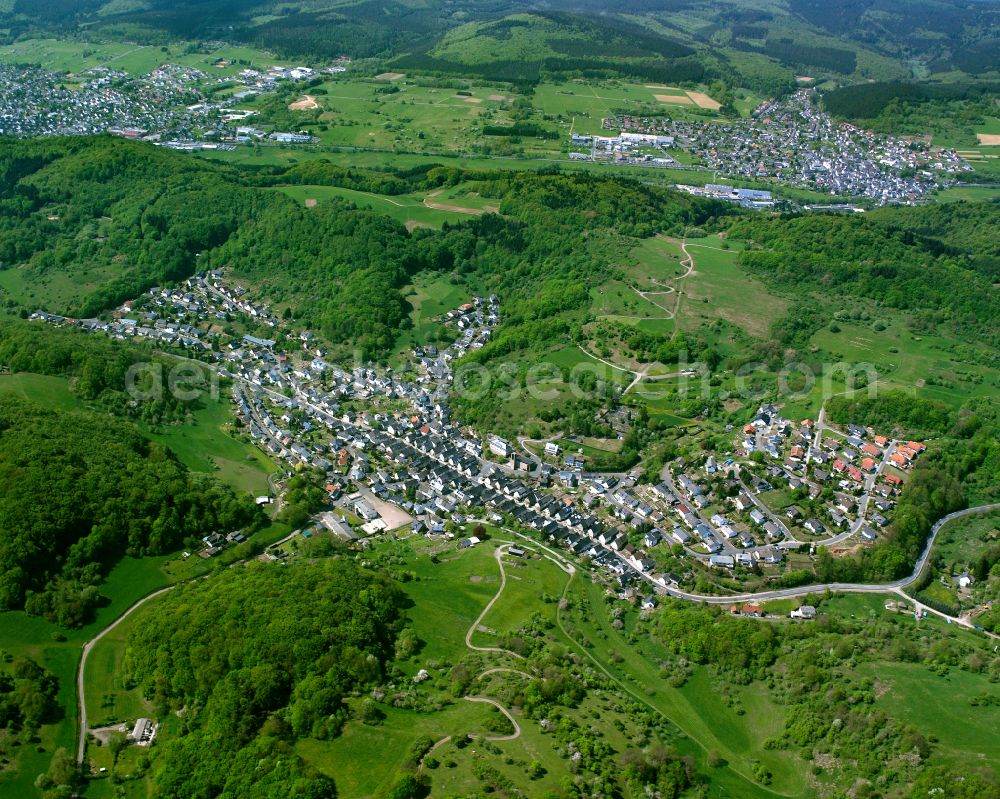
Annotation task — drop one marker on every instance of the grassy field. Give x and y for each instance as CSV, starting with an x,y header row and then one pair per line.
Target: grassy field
x,y
44,390
619,301
926,364
109,700
964,540
969,194
27,636
66,55
719,288
942,704
706,721
411,114
406,208
56,289
584,103
59,650
430,296
205,444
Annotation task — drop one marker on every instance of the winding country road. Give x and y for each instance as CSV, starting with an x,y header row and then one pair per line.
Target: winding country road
x,y
853,588
80,689
643,374
475,625
502,709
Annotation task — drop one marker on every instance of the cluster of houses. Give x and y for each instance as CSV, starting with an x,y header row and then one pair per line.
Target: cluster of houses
x,y
37,102
217,542
404,458
190,316
863,469
172,106
793,140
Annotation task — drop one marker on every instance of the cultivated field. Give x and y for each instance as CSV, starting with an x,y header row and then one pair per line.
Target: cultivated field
x,y
63,55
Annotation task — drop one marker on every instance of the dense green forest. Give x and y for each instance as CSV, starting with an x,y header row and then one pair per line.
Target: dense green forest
x,y
81,490
260,656
646,40
869,101
116,220
937,264
132,216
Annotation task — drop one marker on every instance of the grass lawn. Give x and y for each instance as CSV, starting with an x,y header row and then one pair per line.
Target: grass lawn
x,y
969,194
448,596
719,288
22,635
59,651
45,390
419,114
528,580
573,358
205,445
656,261
941,707
109,701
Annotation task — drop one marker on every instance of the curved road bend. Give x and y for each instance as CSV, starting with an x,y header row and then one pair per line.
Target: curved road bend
x,y
502,709
80,694
489,605
857,588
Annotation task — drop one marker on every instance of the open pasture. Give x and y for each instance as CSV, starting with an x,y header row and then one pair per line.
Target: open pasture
x,y
73,56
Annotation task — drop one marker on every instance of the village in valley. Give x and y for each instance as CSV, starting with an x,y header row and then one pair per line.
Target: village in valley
x,y
177,106
791,140
220,105
392,461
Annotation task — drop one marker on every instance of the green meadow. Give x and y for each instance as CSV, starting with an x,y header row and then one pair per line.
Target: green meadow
x,y
44,390
65,55
942,704
448,596
718,288
406,208
585,103
408,114
56,289
705,720
928,365
205,444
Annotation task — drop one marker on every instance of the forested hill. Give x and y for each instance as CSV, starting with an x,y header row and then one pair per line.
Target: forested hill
x,y
114,219
939,264
91,223
652,39
81,489
260,657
